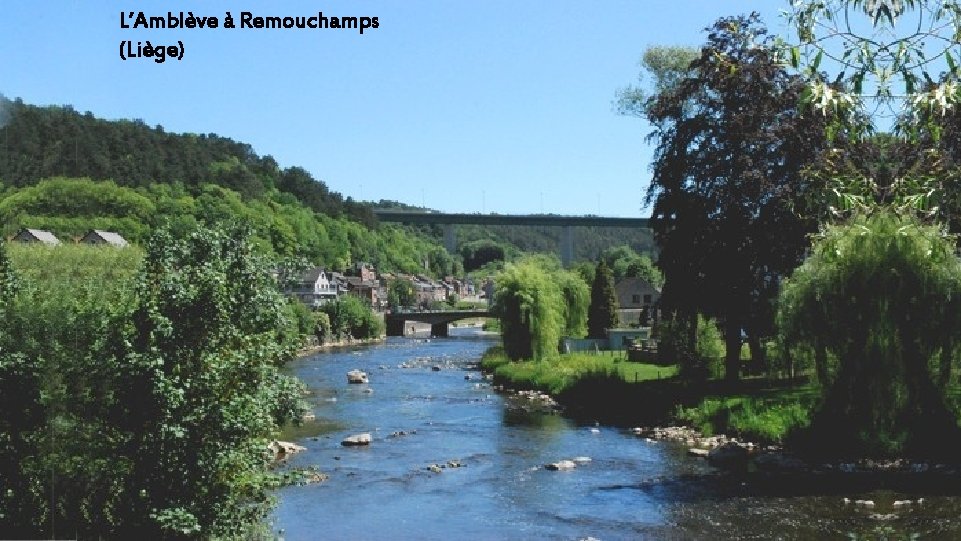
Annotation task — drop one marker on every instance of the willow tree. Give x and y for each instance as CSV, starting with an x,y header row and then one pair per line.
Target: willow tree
x,y
537,302
882,294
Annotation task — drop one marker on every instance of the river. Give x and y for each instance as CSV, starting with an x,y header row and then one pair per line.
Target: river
x,y
630,489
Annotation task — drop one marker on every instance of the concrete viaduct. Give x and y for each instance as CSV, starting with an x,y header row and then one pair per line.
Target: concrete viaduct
x,y
450,221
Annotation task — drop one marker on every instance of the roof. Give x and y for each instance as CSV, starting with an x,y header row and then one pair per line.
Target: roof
x,y
633,284
45,237
311,275
109,237
357,281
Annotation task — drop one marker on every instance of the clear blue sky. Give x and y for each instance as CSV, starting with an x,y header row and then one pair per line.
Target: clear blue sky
x,y
497,106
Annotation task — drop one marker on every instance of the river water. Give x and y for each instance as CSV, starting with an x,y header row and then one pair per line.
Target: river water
x,y
630,489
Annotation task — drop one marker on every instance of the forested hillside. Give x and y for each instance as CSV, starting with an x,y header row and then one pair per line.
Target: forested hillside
x,y
70,172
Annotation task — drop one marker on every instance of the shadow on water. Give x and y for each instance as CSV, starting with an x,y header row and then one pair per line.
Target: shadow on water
x,y
520,417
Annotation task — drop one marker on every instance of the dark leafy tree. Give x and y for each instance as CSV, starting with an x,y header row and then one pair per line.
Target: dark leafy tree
x,y
727,184
602,314
479,253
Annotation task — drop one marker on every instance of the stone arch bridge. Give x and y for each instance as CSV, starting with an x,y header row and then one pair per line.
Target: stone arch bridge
x,y
439,320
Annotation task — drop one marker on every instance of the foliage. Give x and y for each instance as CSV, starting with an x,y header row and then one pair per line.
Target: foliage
x,y
673,346
558,375
138,397
624,262
323,329
531,308
881,295
893,58
492,325
576,299
302,318
727,193
400,293
667,66
351,316
478,253
282,227
763,419
44,142
517,240
602,314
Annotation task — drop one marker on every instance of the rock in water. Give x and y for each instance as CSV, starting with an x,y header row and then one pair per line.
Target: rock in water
x,y
356,440
694,451
356,376
281,449
561,465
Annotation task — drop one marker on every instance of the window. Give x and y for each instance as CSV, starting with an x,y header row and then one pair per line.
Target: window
x,y
647,299
636,299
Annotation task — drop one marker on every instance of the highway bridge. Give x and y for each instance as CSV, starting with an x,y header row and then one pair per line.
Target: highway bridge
x,y
450,220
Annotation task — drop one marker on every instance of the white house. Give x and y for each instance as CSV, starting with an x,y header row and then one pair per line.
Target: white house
x,y
315,287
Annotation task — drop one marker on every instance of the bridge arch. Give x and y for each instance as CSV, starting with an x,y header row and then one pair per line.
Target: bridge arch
x,y
439,320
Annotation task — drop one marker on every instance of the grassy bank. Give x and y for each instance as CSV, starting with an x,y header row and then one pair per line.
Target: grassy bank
x,y
763,414
610,389
555,376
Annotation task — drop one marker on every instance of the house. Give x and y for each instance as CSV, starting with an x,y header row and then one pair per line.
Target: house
x,y
428,291
636,300
365,271
36,235
97,236
369,290
315,287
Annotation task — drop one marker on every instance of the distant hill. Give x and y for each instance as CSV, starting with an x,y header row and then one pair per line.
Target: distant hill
x,y
69,172
44,142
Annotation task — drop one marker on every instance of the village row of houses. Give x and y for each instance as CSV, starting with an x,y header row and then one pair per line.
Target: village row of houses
x,y
318,286
94,236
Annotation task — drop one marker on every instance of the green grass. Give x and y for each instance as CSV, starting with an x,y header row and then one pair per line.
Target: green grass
x,y
556,375
764,415
72,270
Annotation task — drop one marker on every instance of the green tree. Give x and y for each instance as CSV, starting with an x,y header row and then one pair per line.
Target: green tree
x,y
401,294
139,403
882,296
602,314
204,391
479,253
667,66
530,307
351,316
